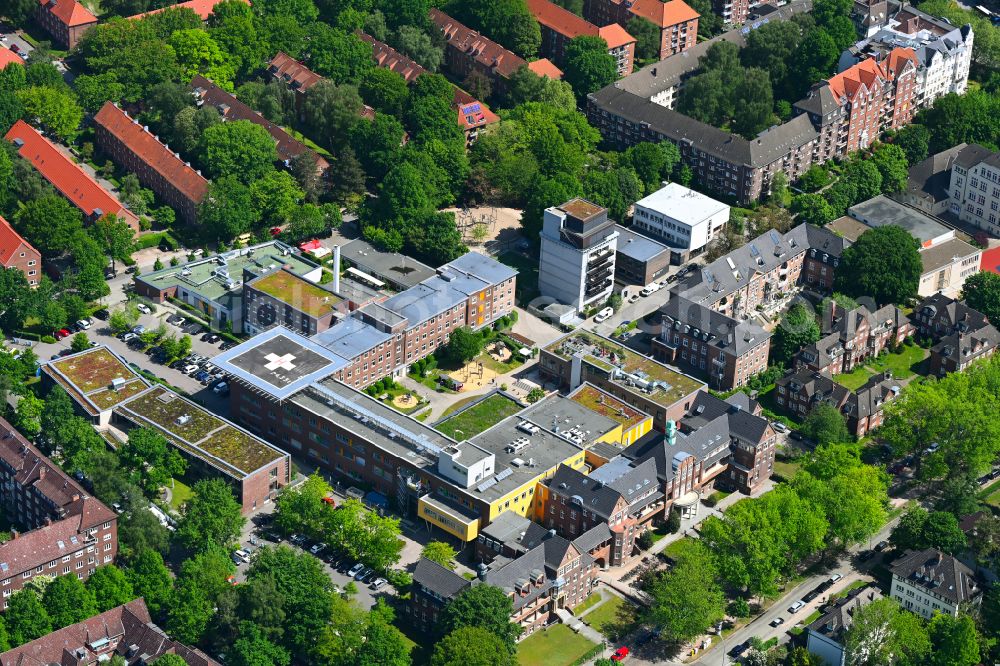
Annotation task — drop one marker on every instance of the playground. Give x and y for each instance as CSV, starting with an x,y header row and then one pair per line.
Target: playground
x,y
474,375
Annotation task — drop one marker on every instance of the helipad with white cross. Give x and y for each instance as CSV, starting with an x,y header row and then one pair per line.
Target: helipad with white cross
x,y
279,362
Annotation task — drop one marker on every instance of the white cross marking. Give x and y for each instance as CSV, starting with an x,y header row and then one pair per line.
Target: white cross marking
x,y
283,362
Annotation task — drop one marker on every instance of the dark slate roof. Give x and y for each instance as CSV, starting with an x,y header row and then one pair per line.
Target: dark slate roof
x,y
594,495
544,558
959,347
710,443
931,178
738,413
593,537
938,572
838,618
822,240
723,332
438,579
973,154
515,531
952,312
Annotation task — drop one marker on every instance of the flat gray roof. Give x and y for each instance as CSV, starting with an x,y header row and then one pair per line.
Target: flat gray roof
x,y
392,266
881,211
638,247
279,362
350,338
483,267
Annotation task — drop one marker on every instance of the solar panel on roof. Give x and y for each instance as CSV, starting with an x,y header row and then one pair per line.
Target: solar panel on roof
x,y
504,474
754,252
486,485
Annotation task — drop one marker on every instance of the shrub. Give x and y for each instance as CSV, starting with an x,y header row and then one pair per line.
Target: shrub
x,y
739,607
48,339
673,521
401,580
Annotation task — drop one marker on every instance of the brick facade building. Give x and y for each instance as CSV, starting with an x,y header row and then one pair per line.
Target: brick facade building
x,y
677,21
15,252
467,51
802,390
134,148
961,334
560,25
851,337
66,20
67,530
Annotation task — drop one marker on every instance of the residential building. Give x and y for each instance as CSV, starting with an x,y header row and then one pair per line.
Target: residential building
x,y
947,260
296,76
800,391
203,8
560,25
852,337
928,185
66,20
215,285
474,117
825,635
709,343
961,334
639,260
213,446
97,379
685,220
556,574
125,631
830,122
69,178
133,147
8,57
230,108
467,51
543,67
637,380
823,257
60,529
928,582
975,188
943,52
677,21
576,266
509,536
15,252
869,16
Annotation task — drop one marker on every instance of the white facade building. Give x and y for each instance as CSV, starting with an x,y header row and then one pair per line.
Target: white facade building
x,y
576,266
944,52
685,220
975,188
928,582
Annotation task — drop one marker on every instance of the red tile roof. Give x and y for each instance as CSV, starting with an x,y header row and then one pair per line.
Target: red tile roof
x,y
66,175
10,242
7,57
471,112
203,8
389,58
293,72
545,67
153,153
232,108
664,14
111,632
484,51
870,73
560,20
615,35
69,12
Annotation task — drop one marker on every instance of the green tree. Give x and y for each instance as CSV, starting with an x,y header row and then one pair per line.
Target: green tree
x,y
200,584
914,140
123,319
275,196
509,22
94,90
385,90
797,329
440,552
110,587
485,607
464,344
812,209
647,38
26,618
384,644
955,640
302,509
238,148
80,341
418,45
890,160
50,223
197,53
67,601
227,211
152,457
338,55
882,633
332,111
853,501
526,86
252,648
471,646
825,425
920,529
883,264
54,109
27,416
171,660
754,98
687,600
212,516
981,291
588,66
815,57
151,580
114,236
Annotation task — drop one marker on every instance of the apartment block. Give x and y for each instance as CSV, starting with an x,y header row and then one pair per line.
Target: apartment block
x,y
685,220
975,188
852,337
66,20
61,529
677,21
709,343
136,149
467,51
928,582
825,636
961,334
929,181
803,390
577,262
69,178
560,25
203,8
15,252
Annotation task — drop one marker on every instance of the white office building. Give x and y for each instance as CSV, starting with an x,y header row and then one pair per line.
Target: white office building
x,y
576,267
975,188
683,219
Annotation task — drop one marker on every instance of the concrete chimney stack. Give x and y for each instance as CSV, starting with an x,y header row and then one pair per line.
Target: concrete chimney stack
x,y
336,269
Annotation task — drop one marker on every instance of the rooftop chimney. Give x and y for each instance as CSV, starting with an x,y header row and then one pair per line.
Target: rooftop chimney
x,y
336,269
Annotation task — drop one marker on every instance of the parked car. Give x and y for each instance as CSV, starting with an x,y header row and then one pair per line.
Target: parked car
x,y
202,376
882,546
85,323
737,650
649,289
62,333
672,278
188,369
225,346
620,654
633,298
134,268
298,539
317,548
866,555
361,575
777,622
212,338
143,308
779,426
796,607
102,314
241,557
834,578
603,314
127,337
110,274
139,330
378,584
222,388
370,576
175,319
355,570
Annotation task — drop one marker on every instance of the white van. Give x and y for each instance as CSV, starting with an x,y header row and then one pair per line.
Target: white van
x,y
603,314
650,288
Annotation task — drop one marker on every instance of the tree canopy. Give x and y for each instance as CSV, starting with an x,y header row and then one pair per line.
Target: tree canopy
x,y
883,264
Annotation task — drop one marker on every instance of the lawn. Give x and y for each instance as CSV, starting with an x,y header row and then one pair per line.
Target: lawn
x,y
555,646
590,602
611,617
991,495
854,379
903,364
674,550
180,493
850,588
527,278
786,469
479,417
